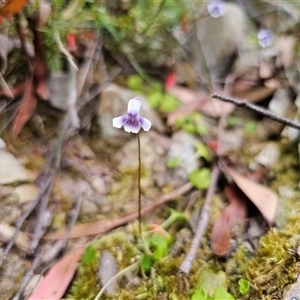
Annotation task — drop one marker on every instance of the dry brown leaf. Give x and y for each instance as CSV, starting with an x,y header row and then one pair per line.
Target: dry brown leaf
x,y
262,197
235,212
57,280
26,109
196,101
220,235
11,7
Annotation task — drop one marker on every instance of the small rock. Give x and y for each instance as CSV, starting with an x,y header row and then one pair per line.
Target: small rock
x,y
2,144
182,148
281,105
269,155
293,133
98,184
114,101
151,152
108,268
11,170
214,41
27,192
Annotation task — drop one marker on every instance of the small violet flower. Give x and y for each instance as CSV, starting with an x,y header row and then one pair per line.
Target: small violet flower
x,y
132,121
264,37
216,8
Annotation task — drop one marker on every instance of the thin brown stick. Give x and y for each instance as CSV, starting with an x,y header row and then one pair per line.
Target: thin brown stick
x,y
264,112
43,182
61,244
44,219
28,275
186,265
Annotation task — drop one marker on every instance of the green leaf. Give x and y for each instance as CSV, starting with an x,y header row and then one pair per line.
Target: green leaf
x,y
200,178
244,286
201,129
173,162
233,120
160,244
155,99
250,127
203,151
189,127
169,103
146,262
89,255
220,294
134,82
199,295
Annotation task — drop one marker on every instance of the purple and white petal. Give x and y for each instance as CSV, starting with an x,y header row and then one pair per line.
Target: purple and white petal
x,y
118,122
134,106
145,123
264,37
129,127
216,8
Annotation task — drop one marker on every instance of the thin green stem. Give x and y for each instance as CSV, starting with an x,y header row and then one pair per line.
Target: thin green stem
x,y
139,184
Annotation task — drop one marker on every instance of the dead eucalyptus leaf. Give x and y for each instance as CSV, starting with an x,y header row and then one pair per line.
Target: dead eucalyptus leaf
x,y
57,280
26,109
262,197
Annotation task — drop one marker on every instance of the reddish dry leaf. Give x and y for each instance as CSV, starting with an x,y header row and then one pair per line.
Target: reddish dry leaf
x,y
220,235
235,212
40,71
26,109
57,280
16,90
262,197
12,7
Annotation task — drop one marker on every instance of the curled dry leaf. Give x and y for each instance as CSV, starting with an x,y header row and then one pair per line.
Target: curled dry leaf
x,y
56,282
232,214
9,8
262,197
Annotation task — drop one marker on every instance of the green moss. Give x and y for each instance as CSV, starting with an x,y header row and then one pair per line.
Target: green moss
x,y
274,265
86,284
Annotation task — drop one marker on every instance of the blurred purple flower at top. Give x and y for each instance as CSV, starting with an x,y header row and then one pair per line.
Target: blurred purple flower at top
x,y
216,8
265,37
132,121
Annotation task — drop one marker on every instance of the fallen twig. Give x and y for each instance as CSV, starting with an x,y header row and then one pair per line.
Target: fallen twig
x,y
103,226
264,112
44,218
44,182
28,276
186,265
61,244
